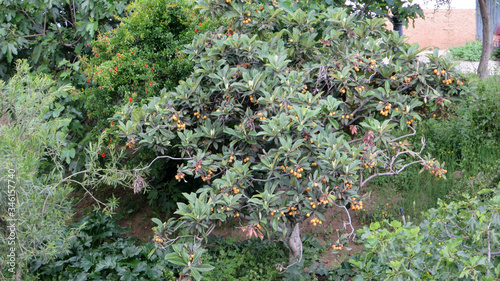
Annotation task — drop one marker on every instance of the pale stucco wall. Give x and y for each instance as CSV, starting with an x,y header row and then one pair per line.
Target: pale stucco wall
x,y
443,28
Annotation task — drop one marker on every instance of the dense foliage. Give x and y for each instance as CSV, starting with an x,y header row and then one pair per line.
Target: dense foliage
x,y
52,34
98,252
138,58
271,112
288,112
457,241
33,205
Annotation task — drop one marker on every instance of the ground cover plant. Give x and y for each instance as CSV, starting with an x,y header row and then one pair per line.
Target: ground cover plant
x,y
287,112
456,241
471,51
97,251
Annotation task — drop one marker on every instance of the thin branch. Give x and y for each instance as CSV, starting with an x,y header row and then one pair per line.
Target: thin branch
x,y
161,157
389,173
87,191
57,26
350,221
55,186
36,25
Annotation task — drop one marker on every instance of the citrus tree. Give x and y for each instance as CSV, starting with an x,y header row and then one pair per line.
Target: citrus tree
x,y
286,113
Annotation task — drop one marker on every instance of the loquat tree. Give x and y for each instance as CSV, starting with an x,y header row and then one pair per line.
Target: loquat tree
x,y
287,112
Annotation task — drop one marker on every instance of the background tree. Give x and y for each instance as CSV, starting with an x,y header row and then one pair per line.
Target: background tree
x,y
484,6
52,34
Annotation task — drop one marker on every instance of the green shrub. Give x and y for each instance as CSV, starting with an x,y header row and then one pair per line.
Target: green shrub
x,y
33,202
139,57
246,260
287,112
98,252
456,241
471,51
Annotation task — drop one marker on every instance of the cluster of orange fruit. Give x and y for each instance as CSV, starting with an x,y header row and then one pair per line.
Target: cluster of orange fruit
x,y
369,165
231,159
284,168
288,106
237,74
373,63
385,111
346,116
158,239
247,20
191,257
331,113
297,173
312,203
227,208
316,221
339,247
208,176
347,184
407,79
292,211
261,116
131,143
360,88
437,72
273,212
180,176
438,172
342,91
303,91
236,190
356,206
411,121
253,100
180,126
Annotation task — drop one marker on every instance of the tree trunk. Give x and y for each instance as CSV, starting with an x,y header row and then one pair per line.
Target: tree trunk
x,y
295,244
482,70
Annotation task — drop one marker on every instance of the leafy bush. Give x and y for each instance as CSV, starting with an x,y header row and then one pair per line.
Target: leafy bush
x,y
471,51
98,252
51,35
457,241
287,112
246,260
138,58
33,202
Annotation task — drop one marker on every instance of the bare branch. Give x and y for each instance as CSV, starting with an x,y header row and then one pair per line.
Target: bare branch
x,y
160,157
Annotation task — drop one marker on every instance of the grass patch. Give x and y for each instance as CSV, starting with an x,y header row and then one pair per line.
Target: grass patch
x,y
468,141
